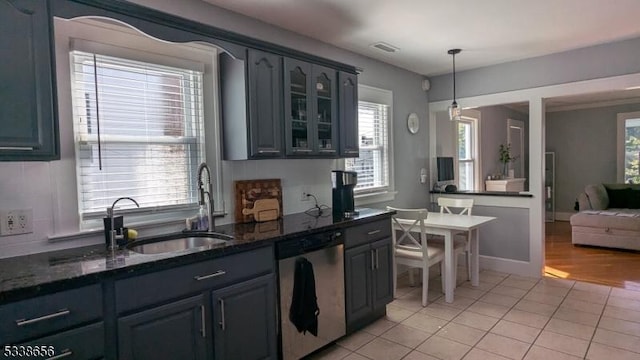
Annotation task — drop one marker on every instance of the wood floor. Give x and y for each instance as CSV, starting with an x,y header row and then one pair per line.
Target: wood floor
x,y
617,268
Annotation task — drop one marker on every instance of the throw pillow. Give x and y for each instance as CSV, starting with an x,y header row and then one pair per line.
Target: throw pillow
x,y
634,199
619,198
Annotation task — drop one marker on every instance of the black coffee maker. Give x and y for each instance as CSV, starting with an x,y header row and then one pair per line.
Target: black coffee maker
x,y
343,184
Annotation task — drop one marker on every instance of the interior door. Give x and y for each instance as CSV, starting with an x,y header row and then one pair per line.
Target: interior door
x,y
515,137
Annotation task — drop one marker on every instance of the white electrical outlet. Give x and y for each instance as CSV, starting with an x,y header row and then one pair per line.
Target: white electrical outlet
x,y
15,222
304,193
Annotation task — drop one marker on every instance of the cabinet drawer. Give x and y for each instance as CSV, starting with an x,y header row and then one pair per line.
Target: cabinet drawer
x,y
45,314
156,287
83,343
366,233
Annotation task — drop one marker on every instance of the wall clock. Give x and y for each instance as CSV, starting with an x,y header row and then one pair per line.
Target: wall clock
x,y
413,123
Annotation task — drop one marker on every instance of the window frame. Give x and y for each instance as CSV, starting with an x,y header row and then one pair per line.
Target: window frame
x,y
375,95
127,42
620,142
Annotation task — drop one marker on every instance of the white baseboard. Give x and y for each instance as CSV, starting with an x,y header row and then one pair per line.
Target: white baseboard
x,y
563,216
517,267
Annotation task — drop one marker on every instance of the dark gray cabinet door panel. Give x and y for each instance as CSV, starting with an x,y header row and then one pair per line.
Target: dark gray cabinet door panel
x,y
27,111
298,107
265,103
349,142
244,320
358,268
83,343
382,275
173,331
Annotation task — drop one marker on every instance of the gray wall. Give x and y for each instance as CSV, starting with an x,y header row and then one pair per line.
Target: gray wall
x,y
506,237
585,145
600,61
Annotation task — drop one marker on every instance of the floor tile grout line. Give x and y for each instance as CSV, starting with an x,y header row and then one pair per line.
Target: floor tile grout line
x,y
597,323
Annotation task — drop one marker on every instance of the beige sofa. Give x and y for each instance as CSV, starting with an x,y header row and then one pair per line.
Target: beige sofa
x,y
606,218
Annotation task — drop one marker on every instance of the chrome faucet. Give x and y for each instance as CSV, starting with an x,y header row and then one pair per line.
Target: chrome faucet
x,y
208,192
113,234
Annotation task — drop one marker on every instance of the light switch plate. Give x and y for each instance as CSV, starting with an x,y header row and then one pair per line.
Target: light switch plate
x,y
15,222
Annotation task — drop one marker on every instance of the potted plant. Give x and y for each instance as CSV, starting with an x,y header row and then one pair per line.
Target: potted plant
x,y
506,157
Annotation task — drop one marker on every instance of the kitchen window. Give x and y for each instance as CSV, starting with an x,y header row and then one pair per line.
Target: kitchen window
x,y
138,129
374,167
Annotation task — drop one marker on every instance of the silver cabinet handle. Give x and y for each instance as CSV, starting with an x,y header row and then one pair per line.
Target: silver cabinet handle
x,y
268,151
377,263
215,274
373,263
373,232
63,354
203,320
23,322
327,151
302,150
222,323
351,151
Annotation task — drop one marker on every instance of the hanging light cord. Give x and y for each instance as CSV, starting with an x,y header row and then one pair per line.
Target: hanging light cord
x,y
454,77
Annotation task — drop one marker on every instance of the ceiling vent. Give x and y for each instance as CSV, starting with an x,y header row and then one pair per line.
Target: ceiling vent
x,y
385,47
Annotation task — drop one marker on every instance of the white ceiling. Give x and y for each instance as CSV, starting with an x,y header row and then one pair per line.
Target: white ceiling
x,y
488,31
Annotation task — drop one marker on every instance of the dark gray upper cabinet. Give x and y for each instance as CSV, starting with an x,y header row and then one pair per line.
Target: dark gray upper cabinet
x,y
28,116
349,142
311,109
244,320
251,100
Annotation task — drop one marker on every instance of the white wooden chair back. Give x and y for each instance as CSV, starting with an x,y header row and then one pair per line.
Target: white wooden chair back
x,y
415,218
446,204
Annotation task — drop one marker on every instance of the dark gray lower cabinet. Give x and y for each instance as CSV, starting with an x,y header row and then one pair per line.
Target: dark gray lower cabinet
x,y
358,281
244,320
368,282
84,343
173,331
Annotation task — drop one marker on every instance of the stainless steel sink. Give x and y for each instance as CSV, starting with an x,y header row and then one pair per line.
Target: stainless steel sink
x,y
178,242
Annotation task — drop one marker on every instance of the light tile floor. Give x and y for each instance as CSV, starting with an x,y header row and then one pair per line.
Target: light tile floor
x,y
506,317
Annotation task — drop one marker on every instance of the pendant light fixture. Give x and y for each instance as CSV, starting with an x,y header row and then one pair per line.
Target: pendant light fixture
x,y
454,110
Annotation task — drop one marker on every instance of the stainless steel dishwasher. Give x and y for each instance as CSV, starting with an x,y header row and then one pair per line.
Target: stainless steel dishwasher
x,y
325,251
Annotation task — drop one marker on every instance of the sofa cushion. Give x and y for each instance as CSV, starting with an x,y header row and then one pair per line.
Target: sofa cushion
x,y
618,198
634,199
623,219
598,198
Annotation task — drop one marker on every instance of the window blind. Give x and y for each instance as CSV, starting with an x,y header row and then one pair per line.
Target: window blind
x,y
372,165
138,132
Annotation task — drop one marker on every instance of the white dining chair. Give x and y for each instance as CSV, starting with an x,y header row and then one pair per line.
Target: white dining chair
x,y
411,251
462,240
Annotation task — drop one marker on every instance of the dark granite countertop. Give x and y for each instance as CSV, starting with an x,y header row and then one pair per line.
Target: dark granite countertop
x,y
26,276
485,193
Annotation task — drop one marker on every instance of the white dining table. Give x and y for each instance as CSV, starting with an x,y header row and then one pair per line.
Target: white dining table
x,y
448,225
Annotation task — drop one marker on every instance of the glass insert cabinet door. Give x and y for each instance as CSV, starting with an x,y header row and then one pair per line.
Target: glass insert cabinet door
x,y
326,125
298,107
311,109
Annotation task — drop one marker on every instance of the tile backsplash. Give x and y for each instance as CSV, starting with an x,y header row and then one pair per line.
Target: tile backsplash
x,y
49,189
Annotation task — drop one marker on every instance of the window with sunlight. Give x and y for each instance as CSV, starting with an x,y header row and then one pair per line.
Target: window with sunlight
x,y
466,154
373,164
632,151
138,132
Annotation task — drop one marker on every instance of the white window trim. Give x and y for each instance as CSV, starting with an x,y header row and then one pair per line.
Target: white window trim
x,y
621,120
125,42
372,196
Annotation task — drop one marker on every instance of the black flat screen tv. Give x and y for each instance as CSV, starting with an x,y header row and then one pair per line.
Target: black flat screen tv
x,y
445,169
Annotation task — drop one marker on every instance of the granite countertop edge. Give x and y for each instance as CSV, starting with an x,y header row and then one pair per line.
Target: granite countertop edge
x,y
31,275
485,193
